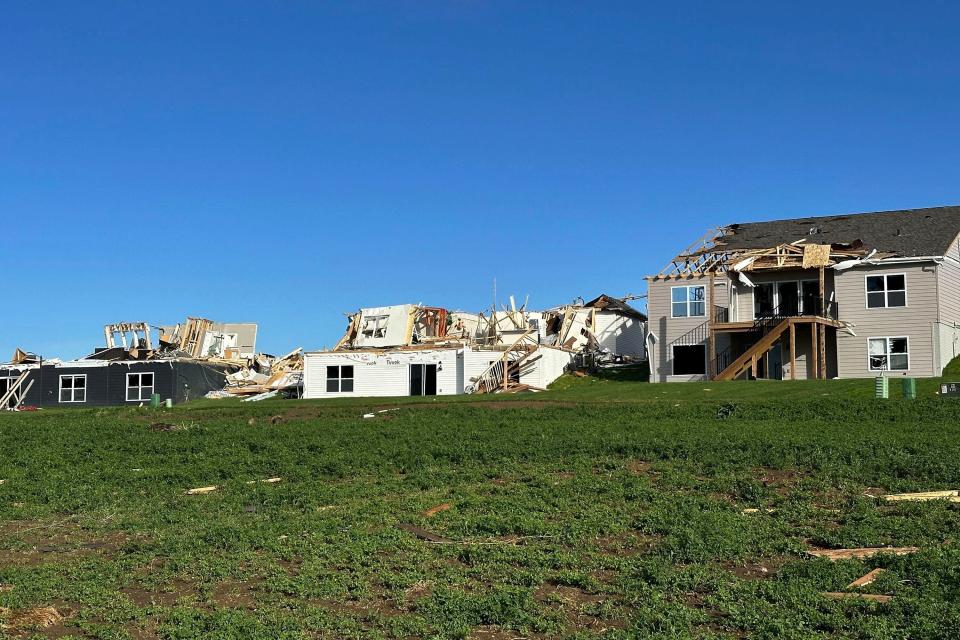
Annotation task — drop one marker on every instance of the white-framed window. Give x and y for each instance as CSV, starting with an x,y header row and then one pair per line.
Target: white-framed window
x,y
888,290
888,354
73,388
375,326
139,386
689,359
340,378
688,301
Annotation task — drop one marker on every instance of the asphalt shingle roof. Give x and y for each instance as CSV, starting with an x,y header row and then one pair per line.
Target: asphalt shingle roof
x,y
907,233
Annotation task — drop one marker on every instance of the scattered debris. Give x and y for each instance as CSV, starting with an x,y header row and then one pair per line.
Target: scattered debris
x,y
201,490
36,618
375,414
863,581
432,511
951,496
261,396
752,510
423,534
871,597
857,554
265,480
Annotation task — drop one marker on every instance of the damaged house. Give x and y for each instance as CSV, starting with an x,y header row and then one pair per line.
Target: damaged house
x,y
846,296
186,362
418,350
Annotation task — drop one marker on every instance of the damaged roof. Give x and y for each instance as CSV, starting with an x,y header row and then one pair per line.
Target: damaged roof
x,y
603,301
907,233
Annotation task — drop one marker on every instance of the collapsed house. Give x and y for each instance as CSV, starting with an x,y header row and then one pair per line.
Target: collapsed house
x,y
418,350
843,296
186,362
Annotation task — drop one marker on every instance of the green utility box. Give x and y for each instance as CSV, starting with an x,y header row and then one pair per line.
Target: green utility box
x,y
910,388
155,400
882,387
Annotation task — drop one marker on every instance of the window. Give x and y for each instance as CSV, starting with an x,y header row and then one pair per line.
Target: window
x,y
340,379
375,326
887,291
888,354
688,301
689,360
73,388
139,386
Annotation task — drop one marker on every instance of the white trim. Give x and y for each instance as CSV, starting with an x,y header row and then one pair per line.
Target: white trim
x,y
887,353
687,301
673,360
886,291
73,390
140,386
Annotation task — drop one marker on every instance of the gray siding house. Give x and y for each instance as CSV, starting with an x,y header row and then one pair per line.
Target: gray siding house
x,y
848,296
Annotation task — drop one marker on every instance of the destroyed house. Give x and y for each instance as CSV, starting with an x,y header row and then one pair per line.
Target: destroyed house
x,y
848,296
93,382
418,350
186,362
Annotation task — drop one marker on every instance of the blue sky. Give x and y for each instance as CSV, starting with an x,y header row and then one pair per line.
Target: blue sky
x,y
288,162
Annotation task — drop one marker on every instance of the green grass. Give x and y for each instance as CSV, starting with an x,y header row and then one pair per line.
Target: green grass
x,y
605,507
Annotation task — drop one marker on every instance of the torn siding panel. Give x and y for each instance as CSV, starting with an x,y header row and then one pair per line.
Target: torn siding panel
x,y
385,326
622,335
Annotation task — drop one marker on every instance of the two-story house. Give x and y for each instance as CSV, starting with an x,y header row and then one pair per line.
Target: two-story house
x,y
848,296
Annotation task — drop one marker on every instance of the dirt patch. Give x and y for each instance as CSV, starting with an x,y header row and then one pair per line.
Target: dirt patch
x,y
575,604
234,594
641,468
521,404
24,622
490,632
627,544
417,591
378,607
164,596
782,481
33,543
763,569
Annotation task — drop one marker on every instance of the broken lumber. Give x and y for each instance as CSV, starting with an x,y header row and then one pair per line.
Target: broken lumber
x,y
432,511
863,581
857,554
265,480
423,534
870,597
952,496
201,490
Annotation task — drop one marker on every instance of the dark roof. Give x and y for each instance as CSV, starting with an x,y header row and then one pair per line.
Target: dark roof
x,y
908,233
603,301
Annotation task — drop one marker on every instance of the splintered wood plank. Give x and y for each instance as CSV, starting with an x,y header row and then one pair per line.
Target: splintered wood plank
x,y
432,511
864,552
863,581
870,597
952,495
201,490
423,534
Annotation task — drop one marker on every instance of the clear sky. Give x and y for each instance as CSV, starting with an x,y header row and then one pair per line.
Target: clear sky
x,y
286,162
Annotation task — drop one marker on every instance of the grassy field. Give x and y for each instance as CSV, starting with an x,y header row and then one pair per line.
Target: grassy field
x,y
602,508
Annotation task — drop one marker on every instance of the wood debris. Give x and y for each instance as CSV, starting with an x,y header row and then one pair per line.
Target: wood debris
x,y
865,580
265,480
751,510
857,554
432,511
870,597
423,534
201,490
951,496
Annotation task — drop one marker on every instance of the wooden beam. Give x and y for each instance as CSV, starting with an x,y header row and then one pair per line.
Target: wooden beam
x,y
813,351
823,349
711,339
793,351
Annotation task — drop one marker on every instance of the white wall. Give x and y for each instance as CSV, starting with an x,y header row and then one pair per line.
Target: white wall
x,y
397,322
550,364
621,334
381,374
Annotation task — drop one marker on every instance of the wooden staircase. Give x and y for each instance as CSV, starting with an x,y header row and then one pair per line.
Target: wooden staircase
x,y
749,357
16,393
515,359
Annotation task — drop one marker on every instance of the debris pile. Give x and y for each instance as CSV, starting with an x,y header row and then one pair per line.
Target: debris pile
x,y
266,377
